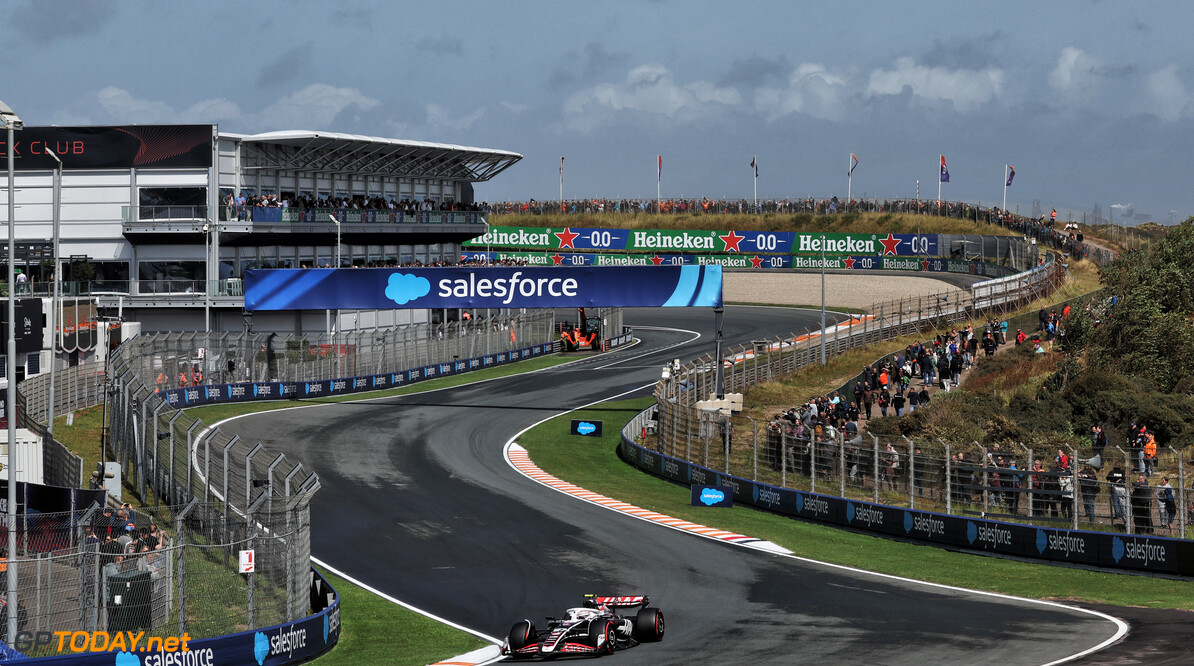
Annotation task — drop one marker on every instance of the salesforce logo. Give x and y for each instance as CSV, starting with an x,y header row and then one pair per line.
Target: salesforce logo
x,y
127,659
403,288
260,647
585,428
709,496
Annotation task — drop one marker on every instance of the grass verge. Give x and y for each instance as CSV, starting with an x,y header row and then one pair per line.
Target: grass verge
x,y
596,467
376,631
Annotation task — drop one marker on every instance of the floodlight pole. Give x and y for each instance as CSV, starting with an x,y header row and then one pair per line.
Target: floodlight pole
x,y
12,122
822,299
57,297
336,339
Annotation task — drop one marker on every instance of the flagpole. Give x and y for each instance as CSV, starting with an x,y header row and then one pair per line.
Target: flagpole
x,y
849,178
561,183
755,162
1004,188
939,187
658,178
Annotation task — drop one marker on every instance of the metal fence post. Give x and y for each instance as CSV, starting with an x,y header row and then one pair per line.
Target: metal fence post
x,y
1074,489
841,463
250,534
911,474
878,472
181,566
949,480
1181,495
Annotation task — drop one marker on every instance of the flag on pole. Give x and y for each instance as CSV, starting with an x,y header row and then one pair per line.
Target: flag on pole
x,y
659,174
1011,173
944,171
561,167
754,164
853,164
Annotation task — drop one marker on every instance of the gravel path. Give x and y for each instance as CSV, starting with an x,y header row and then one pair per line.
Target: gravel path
x,y
856,290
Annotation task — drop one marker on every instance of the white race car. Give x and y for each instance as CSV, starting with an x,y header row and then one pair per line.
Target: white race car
x,y
592,629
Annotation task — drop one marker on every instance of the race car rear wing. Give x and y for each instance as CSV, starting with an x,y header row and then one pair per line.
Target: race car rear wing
x,y
618,602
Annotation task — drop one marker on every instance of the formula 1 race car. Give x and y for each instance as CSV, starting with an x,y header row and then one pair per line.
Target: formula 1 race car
x,y
592,629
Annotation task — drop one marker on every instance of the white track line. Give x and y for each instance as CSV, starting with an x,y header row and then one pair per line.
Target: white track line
x,y
518,459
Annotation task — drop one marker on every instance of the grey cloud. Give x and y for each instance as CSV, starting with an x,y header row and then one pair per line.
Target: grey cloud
x,y
755,71
972,52
286,67
50,20
584,67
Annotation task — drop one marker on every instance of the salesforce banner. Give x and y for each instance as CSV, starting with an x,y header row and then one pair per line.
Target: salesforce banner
x,y
481,287
1099,549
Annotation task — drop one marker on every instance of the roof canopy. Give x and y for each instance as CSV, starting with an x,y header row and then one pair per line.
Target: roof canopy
x,y
358,154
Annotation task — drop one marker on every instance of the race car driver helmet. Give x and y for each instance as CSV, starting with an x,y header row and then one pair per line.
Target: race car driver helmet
x,y
582,613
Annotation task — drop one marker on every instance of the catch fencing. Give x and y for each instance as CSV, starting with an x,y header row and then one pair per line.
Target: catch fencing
x,y
209,493
179,576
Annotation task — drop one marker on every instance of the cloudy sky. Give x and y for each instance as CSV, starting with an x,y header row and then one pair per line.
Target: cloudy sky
x,y
1090,101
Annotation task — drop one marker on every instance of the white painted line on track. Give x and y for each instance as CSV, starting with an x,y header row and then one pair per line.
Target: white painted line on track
x,y
517,457
365,586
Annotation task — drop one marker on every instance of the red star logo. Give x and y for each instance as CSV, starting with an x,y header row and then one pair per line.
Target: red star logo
x,y
889,244
924,265
756,262
849,263
566,237
657,260
731,240
557,260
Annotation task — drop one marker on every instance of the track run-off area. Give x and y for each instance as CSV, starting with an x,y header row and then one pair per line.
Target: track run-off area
x,y
426,499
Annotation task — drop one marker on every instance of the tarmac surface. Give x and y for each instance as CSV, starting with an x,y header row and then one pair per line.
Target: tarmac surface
x,y
417,501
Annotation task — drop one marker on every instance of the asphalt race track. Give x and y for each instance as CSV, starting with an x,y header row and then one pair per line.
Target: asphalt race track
x,y
417,501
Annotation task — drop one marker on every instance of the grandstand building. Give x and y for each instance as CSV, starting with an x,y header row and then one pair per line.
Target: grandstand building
x,y
161,221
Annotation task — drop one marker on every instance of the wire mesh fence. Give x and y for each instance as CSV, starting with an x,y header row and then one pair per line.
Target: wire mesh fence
x,y
169,571
210,494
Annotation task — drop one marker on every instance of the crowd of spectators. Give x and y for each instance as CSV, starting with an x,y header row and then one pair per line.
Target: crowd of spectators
x,y
806,440
123,545
243,201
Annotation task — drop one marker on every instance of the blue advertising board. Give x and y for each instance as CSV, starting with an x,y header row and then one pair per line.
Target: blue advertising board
x,y
1148,554
211,394
719,496
481,287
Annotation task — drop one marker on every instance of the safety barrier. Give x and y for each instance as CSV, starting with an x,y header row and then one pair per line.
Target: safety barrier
x,y
1159,555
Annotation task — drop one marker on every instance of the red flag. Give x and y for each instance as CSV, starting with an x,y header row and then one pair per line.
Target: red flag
x,y
853,164
754,164
659,174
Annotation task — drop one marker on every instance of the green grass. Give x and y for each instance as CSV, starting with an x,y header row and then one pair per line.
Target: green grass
x,y
376,631
596,467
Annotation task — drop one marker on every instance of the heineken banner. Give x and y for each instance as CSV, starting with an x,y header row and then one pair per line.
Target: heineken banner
x,y
692,242
481,287
759,261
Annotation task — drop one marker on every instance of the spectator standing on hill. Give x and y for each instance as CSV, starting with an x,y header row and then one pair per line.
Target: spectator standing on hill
x,y
1166,503
868,399
923,398
884,401
913,400
1119,494
897,403
1142,505
1098,440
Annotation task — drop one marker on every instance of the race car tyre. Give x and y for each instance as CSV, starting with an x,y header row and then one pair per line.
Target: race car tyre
x,y
599,628
648,625
522,634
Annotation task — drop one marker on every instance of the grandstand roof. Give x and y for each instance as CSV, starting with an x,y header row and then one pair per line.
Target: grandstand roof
x,y
358,154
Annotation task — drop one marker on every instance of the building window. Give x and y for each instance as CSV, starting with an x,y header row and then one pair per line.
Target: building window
x,y
156,203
